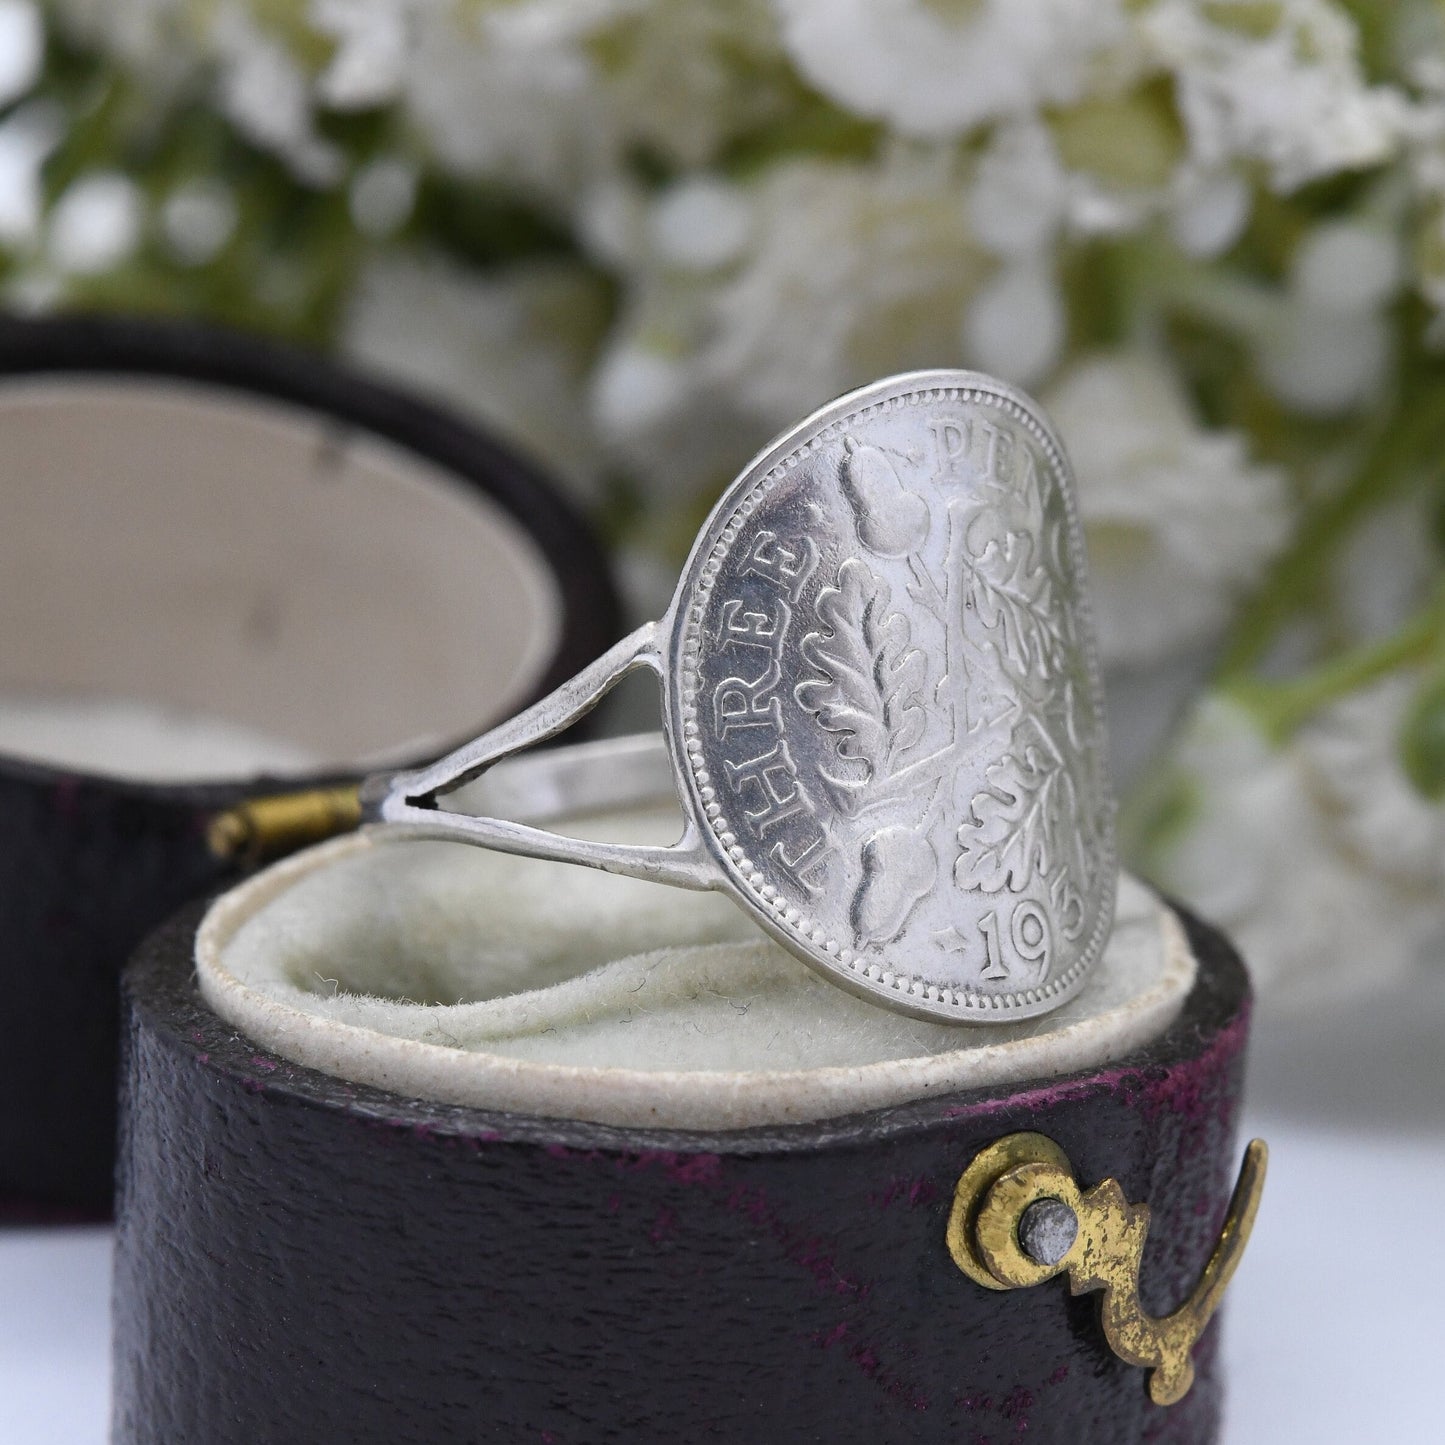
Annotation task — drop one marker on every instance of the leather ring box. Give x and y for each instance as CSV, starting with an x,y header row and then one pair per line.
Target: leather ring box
x,y
304,1256
210,524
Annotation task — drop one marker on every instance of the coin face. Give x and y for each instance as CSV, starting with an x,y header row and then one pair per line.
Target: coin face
x,y
885,700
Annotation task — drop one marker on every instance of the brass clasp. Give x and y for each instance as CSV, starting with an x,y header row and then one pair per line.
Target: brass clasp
x,y
1020,1218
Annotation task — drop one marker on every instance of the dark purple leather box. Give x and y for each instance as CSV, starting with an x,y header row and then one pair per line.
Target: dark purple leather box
x,y
216,524
299,1258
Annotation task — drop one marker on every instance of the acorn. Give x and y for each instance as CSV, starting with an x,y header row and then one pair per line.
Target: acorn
x,y
899,867
892,521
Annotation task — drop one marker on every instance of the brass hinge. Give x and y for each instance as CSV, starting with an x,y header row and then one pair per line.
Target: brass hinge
x,y
268,827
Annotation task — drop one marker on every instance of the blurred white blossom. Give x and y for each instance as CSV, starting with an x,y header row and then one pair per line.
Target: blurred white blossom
x,y
1348,266
383,195
508,93
511,348
1210,209
700,224
149,36
22,48
1352,755
198,218
934,69
27,136
1321,361
1278,83
844,271
1179,519
1317,856
1328,348
372,44
266,92
96,223
682,80
1019,195
1015,326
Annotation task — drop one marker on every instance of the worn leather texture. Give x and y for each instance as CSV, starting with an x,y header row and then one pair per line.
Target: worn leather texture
x,y
88,865
298,1258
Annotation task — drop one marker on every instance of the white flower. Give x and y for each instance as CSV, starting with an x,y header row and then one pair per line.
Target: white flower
x,y
150,37
854,271
1275,859
700,224
1015,326
1352,757
383,195
1209,211
1020,189
1026,193
555,94
371,50
1179,520
26,138
509,93
1347,265
546,95
1321,362
635,389
612,221
509,347
197,219
849,271
266,94
22,48
1328,348
1293,97
1385,569
681,78
96,224
932,69
244,50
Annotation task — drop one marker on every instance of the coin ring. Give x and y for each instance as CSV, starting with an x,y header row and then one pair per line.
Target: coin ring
x,y
739,849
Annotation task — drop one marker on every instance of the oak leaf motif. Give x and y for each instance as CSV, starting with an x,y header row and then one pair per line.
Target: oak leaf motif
x,y
1013,595
1018,828
869,688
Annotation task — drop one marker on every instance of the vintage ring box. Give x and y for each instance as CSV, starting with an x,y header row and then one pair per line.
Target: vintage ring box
x,y
226,569
423,1142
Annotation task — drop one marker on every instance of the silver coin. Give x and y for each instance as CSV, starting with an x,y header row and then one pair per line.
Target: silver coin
x,y
884,698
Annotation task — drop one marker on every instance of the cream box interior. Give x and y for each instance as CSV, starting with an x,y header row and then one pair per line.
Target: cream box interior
x,y
456,974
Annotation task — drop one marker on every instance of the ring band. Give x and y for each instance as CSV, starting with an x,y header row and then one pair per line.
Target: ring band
x,y
563,782
882,709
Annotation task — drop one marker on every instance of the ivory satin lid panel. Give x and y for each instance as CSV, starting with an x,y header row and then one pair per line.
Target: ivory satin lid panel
x,y
236,562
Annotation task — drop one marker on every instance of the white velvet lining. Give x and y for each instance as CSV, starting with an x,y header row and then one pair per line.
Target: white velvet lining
x,y
450,973
178,559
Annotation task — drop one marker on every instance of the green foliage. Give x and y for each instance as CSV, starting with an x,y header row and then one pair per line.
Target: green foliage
x,y
290,266
1422,739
